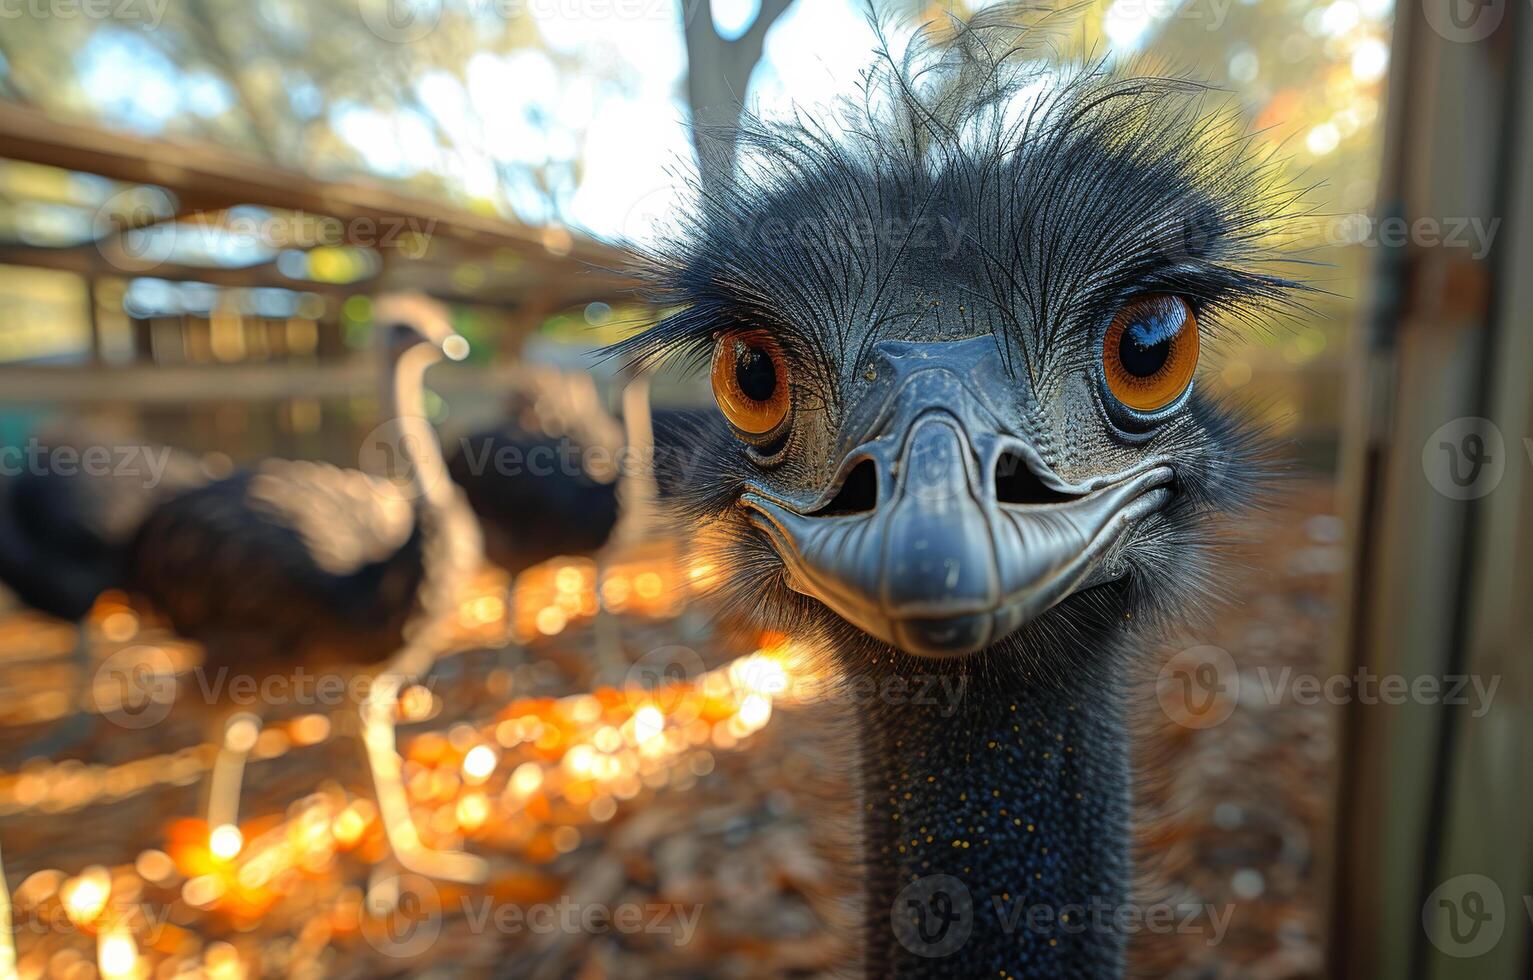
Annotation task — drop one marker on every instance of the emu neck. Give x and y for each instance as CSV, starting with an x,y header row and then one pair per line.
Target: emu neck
x,y
1001,813
414,438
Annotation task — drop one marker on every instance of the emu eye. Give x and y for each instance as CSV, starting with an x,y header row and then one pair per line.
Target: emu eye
x,y
750,382
1151,352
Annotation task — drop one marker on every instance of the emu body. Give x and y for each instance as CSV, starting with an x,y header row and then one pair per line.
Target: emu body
x,y
65,530
299,562
531,512
303,564
64,538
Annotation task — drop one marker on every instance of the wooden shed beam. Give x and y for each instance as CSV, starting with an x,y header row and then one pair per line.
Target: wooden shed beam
x,y
209,178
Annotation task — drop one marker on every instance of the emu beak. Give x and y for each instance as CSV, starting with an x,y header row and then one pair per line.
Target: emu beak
x,y
944,530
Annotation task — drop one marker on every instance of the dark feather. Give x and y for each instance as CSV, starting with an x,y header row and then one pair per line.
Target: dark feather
x,y
971,188
532,499
63,529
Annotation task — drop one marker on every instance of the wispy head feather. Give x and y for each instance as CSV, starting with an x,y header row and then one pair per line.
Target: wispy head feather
x,y
974,184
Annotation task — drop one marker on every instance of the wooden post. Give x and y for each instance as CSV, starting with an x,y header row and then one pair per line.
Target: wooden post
x,y
1434,844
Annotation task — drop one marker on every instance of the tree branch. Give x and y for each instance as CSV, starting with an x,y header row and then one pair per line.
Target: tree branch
x,y
718,74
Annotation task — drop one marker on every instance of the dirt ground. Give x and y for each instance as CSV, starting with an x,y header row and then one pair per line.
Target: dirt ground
x,y
676,836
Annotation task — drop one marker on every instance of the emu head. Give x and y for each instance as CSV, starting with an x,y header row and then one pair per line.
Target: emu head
x,y
954,338
413,322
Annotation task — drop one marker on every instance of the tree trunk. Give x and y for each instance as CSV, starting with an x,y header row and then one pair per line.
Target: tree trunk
x,y
718,74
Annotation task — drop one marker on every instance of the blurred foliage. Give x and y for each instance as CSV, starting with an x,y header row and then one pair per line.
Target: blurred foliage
x,y
281,78
1309,77
271,78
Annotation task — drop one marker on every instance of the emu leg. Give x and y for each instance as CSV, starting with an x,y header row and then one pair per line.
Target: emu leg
x,y
7,938
238,734
388,784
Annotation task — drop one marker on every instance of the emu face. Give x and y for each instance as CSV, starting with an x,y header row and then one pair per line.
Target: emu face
x,y
955,354
946,525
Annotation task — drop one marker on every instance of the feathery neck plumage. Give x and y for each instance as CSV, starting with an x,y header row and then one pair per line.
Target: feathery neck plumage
x,y
996,828
413,436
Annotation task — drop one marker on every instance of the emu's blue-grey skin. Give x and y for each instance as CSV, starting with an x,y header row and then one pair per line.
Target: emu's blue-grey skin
x,y
949,553
954,491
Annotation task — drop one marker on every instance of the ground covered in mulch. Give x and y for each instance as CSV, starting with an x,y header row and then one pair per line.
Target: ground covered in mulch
x,y
694,850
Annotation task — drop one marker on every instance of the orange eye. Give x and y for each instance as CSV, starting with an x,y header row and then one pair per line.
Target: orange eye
x,y
1151,352
750,382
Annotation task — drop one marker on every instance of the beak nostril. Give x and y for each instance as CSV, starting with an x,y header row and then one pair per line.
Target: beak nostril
x,y
1016,483
858,493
